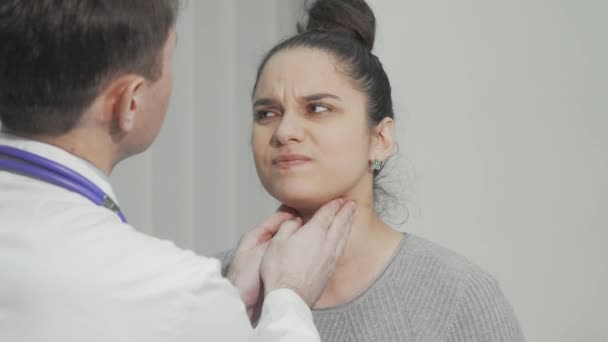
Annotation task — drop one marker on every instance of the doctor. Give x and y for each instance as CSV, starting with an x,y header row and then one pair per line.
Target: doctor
x,y
83,85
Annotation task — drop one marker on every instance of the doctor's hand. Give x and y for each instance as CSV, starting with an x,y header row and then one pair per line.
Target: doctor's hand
x,y
303,259
244,271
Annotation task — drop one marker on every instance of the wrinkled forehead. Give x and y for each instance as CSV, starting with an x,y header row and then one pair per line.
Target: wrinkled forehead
x,y
301,71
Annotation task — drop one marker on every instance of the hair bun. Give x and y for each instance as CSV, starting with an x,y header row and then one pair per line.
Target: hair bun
x,y
353,17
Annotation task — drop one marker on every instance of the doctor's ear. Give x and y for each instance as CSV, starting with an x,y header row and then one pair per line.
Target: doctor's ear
x,y
126,102
383,140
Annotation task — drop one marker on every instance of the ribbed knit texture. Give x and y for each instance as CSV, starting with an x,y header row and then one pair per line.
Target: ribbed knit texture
x,y
425,293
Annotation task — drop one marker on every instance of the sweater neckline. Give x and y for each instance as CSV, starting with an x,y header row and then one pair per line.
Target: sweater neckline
x,y
356,298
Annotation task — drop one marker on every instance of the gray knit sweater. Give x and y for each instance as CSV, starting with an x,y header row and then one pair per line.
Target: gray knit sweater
x,y
425,293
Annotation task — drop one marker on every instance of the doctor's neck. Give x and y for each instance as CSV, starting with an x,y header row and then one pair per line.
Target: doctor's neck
x,y
96,138
84,144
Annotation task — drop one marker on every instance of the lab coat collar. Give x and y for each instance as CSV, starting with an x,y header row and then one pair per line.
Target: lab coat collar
x,y
62,157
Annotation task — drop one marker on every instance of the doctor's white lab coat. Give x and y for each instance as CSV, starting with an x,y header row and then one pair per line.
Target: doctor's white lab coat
x,y
72,271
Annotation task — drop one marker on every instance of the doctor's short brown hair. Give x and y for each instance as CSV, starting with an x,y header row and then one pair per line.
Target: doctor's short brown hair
x,y
56,56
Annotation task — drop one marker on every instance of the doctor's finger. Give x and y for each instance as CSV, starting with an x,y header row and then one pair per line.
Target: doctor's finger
x,y
272,224
287,228
324,216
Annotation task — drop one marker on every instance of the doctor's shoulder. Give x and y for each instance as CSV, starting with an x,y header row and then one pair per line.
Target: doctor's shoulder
x,y
132,263
82,257
113,281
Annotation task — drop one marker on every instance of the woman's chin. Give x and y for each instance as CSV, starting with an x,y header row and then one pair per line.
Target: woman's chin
x,y
304,204
304,196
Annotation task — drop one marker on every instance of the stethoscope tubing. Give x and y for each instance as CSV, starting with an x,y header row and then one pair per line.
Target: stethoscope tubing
x,y
32,165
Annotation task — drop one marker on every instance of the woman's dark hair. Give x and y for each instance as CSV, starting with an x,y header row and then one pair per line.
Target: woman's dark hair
x,y
346,29
57,55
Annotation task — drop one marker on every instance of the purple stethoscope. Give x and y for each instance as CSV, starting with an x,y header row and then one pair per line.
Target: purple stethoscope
x,y
34,166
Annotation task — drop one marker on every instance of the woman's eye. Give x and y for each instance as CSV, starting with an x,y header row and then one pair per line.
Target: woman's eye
x,y
264,114
316,108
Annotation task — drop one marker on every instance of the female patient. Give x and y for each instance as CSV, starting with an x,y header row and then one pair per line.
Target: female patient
x,y
323,128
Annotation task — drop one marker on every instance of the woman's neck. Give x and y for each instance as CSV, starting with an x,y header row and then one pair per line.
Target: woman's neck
x,y
368,235
368,229
369,248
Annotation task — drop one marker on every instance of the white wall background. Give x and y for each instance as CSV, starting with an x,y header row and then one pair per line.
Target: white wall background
x,y
502,111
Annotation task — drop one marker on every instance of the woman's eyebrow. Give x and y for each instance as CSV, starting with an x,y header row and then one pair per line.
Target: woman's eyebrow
x,y
268,102
265,102
320,96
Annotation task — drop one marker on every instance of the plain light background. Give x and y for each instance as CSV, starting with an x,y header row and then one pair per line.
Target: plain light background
x,y
502,113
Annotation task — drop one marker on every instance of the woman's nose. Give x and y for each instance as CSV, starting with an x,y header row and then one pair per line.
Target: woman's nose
x,y
289,130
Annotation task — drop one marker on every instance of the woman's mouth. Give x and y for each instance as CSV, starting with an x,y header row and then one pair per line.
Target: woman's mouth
x,y
287,161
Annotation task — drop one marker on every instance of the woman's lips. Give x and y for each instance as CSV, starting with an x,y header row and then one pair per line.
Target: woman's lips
x,y
288,161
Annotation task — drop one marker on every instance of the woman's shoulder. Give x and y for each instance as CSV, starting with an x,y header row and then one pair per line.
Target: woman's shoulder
x,y
450,290
423,269
418,252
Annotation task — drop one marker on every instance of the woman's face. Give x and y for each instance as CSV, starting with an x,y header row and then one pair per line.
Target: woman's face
x,y
311,138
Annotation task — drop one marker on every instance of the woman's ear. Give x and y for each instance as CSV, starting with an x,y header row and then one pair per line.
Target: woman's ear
x,y
383,140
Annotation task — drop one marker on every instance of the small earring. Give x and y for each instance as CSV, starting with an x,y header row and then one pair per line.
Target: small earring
x,y
377,165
